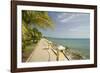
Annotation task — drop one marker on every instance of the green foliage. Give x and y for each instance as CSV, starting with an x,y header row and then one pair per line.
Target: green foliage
x,y
31,20
30,36
38,18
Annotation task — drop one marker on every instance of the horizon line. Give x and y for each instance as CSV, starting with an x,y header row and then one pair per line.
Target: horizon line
x,y
66,38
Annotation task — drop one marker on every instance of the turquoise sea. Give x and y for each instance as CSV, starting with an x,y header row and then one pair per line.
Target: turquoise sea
x,y
81,45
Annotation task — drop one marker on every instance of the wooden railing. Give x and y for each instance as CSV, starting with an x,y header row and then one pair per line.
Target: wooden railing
x,y
56,52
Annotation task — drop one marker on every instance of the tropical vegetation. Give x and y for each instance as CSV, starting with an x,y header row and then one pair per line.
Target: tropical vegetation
x,y
31,22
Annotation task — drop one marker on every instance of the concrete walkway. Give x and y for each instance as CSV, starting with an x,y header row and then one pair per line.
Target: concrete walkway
x,y
42,53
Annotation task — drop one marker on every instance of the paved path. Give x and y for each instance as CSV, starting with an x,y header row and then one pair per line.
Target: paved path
x,y
42,53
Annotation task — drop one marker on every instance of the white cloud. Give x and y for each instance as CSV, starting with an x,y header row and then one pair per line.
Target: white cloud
x,y
65,17
79,31
62,15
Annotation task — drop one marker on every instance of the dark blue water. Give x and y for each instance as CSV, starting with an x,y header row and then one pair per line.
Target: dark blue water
x,y
81,45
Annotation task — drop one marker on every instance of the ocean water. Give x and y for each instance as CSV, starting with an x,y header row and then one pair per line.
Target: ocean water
x,y
80,45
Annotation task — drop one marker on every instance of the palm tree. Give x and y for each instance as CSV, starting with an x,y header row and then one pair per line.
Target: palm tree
x,y
37,18
31,20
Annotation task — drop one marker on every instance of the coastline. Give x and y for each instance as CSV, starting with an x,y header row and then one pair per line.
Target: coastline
x,y
46,50
78,45
70,53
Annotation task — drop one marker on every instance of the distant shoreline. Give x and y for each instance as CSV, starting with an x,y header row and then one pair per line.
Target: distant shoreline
x,y
46,50
81,45
72,54
65,38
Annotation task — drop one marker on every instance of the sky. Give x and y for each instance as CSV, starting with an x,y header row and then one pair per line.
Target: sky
x,y
69,25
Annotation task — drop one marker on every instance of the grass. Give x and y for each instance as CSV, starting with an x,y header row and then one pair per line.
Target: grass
x,y
27,51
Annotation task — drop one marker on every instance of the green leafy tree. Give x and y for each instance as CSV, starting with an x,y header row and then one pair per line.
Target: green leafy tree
x,y
31,20
37,18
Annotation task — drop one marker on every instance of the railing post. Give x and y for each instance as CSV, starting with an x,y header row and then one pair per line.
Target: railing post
x,y
57,54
